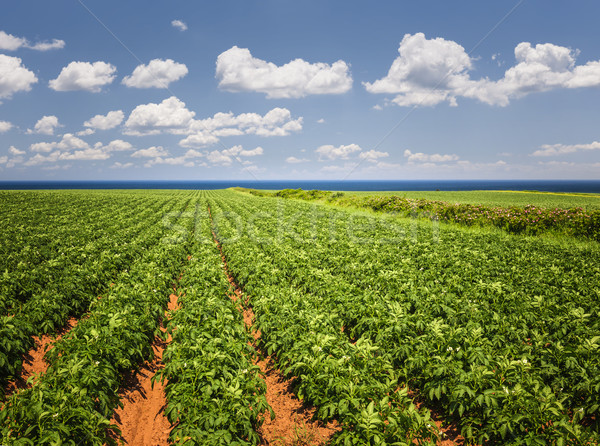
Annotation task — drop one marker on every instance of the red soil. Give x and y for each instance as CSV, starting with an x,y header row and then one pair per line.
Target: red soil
x,y
34,364
142,420
293,424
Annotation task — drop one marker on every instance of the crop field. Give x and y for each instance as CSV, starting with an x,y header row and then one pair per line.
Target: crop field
x,y
255,319
502,198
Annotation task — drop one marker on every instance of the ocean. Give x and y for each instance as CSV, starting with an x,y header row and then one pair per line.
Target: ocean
x,y
585,186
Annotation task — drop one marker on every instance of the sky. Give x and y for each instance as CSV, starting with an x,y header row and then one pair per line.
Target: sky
x,y
311,89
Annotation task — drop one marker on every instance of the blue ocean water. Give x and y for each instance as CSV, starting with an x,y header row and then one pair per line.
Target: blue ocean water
x,y
589,186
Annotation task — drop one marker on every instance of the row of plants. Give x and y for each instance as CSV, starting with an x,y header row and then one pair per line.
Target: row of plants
x,y
73,402
530,220
500,333
215,392
36,227
71,293
43,250
352,382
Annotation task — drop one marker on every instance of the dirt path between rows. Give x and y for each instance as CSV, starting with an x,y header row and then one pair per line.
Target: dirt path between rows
x,y
34,363
293,423
141,419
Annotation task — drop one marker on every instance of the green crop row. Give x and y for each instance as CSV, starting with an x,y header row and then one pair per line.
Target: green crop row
x,y
215,392
72,403
72,292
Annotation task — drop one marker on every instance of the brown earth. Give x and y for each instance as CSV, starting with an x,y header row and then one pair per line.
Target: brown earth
x,y
34,364
141,419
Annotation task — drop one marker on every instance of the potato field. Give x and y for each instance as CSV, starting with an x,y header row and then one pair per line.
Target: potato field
x,y
385,329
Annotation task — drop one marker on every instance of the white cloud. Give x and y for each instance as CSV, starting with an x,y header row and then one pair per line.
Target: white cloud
x,y
237,70
117,145
561,149
150,152
150,119
85,155
14,76
276,122
217,157
420,157
75,151
157,74
199,139
294,160
43,147
119,165
225,157
175,161
84,76
172,116
181,26
54,44
68,142
86,132
321,121
5,126
373,155
3,159
330,152
71,142
430,71
105,122
45,126
11,43
15,152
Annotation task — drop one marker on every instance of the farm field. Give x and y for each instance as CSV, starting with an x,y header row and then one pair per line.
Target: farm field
x,y
384,329
502,198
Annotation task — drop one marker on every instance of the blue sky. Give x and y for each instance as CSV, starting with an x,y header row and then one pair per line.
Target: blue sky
x,y
299,90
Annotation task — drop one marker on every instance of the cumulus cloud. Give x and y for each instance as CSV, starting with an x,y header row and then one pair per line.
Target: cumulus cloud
x,y
117,145
90,154
420,157
105,122
14,77
150,152
5,126
276,122
158,155
430,71
12,43
72,148
561,149
237,70
84,76
226,157
16,157
170,115
373,155
330,152
119,165
15,152
157,74
294,160
45,126
181,26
